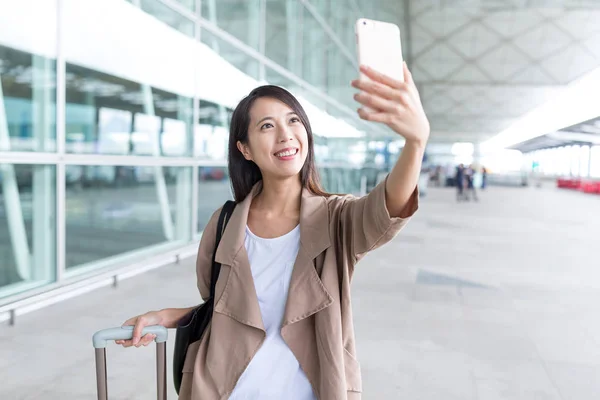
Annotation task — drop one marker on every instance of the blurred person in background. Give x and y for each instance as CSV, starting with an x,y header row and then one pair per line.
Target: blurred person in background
x,y
459,181
470,183
484,173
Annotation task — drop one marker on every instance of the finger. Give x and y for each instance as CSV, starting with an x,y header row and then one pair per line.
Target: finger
x,y
374,116
127,343
147,339
137,330
382,78
376,88
376,102
367,85
408,79
130,321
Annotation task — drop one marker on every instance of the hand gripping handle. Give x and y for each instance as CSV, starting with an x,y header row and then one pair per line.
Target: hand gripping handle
x,y
100,338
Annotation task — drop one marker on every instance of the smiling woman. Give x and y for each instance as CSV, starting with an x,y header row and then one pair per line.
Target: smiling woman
x,y
271,138
281,326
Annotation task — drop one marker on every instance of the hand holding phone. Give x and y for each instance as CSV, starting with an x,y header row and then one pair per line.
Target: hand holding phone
x,y
388,93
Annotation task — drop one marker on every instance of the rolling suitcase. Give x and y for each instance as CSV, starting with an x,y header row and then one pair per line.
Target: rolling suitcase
x,y
100,339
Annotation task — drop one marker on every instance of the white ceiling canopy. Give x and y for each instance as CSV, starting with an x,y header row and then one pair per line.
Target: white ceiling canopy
x,y
481,65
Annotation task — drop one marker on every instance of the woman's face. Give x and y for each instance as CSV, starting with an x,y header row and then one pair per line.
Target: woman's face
x,y
277,139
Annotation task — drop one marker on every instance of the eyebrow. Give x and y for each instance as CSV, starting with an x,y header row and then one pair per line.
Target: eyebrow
x,y
269,117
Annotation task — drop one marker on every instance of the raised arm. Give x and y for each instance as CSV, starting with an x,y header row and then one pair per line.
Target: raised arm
x,y
397,105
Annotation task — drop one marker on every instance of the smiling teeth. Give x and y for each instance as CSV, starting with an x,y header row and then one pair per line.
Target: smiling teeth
x,y
286,153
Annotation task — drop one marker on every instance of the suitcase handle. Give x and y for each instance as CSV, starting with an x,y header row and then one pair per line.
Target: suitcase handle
x,y
100,338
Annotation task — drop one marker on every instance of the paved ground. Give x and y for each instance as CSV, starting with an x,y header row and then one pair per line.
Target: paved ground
x,y
489,300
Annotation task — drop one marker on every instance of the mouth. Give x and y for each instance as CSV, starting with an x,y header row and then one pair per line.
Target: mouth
x,y
287,154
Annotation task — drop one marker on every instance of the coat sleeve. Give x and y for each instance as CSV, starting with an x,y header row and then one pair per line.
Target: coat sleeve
x,y
364,223
205,255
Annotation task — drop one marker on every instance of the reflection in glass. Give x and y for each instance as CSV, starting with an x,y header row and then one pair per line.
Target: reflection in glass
x,y
110,115
27,226
283,34
315,44
168,15
240,18
274,78
213,191
111,210
190,4
231,54
27,101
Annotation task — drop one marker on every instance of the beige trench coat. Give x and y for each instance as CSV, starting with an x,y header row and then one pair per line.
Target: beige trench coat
x,y
335,233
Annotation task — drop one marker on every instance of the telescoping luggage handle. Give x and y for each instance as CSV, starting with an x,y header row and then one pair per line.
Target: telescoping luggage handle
x,y
100,340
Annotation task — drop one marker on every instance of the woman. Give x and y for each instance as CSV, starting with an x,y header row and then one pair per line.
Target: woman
x,y
282,324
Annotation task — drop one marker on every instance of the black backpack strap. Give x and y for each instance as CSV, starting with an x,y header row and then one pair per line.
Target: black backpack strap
x,y
226,212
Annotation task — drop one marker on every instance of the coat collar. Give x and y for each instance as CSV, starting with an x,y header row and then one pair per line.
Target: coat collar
x,y
314,227
307,294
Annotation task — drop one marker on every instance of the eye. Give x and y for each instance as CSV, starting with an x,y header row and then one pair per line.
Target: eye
x,y
266,126
294,119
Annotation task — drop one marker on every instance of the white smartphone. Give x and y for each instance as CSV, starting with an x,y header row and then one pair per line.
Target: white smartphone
x,y
380,47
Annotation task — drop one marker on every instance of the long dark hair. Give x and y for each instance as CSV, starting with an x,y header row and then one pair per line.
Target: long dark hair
x,y
244,174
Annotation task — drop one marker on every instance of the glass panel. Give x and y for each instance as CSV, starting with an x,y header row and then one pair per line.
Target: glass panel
x,y
27,76
137,98
111,210
211,143
189,4
231,54
595,162
213,191
212,132
584,161
27,227
240,18
341,17
109,115
169,16
340,72
274,78
283,34
315,45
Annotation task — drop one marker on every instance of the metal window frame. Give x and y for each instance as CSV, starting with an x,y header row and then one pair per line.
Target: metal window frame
x,y
60,173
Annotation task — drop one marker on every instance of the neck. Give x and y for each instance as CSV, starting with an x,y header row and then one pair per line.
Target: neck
x,y
280,196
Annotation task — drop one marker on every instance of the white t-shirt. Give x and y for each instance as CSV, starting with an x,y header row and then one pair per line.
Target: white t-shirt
x,y
274,373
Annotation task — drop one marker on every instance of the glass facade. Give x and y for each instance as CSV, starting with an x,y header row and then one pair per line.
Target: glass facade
x,y
114,119
27,226
113,210
28,77
567,161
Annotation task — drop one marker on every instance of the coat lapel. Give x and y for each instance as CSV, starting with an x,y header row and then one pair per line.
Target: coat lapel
x,y
239,300
306,296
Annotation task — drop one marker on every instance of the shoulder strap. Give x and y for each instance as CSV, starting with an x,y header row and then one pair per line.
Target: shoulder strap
x,y
226,212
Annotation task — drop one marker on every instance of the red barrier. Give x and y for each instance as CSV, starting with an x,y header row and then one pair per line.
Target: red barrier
x,y
586,186
590,187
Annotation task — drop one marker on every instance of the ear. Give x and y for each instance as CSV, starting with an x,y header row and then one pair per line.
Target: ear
x,y
245,150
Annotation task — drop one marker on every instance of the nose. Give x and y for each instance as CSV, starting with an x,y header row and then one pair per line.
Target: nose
x,y
284,134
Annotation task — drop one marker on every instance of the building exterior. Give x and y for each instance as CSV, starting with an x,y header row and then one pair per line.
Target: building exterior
x,y
113,124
